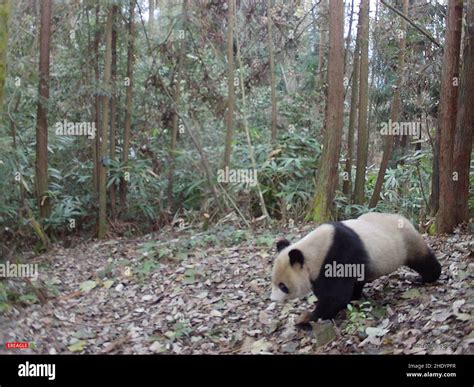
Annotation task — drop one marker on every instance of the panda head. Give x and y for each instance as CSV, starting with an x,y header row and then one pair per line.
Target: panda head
x,y
290,276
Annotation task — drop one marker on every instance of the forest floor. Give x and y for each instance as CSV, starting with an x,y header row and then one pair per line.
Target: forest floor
x,y
188,292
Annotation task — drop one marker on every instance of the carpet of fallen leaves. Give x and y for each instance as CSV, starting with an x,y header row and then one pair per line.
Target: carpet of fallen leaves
x,y
188,292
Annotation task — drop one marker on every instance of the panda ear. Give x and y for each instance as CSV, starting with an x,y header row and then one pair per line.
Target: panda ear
x,y
281,244
296,257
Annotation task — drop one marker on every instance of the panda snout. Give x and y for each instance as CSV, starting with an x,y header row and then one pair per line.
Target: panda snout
x,y
277,295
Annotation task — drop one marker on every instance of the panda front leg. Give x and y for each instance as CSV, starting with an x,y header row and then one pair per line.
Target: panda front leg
x,y
333,296
326,309
357,293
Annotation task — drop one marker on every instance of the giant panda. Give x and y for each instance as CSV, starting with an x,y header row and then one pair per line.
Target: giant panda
x,y
377,243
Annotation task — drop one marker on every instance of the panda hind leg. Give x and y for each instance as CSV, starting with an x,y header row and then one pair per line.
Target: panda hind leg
x,y
427,266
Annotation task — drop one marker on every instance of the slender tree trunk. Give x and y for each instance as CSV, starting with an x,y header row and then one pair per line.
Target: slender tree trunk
x,y
103,137
4,17
42,112
175,118
230,83
328,176
113,108
434,197
323,11
128,103
394,112
363,133
95,149
151,17
349,35
272,73
261,199
347,184
446,219
465,122
315,29
188,126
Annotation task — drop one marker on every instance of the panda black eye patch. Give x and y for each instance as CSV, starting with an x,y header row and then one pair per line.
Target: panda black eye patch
x,y
283,288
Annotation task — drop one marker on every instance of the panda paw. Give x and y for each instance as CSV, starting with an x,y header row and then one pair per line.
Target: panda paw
x,y
303,321
306,326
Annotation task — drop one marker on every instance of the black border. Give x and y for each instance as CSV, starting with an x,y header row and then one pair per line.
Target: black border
x,y
264,370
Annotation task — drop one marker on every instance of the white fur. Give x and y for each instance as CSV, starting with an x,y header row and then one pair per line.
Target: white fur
x,y
389,240
314,247
277,295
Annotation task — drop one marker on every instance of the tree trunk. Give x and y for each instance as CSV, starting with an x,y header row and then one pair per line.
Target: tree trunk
x,y
349,35
42,112
261,199
328,176
175,118
103,137
363,133
95,148
4,17
394,112
272,73
434,197
230,83
128,103
445,220
113,109
323,12
465,122
347,184
151,17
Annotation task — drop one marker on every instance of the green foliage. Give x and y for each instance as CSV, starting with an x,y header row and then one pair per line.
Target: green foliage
x,y
15,293
29,298
287,178
4,304
286,170
145,196
403,191
147,267
65,210
180,329
4,22
357,317
265,240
